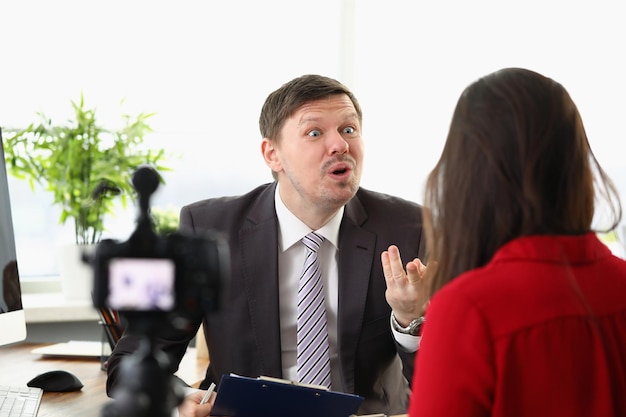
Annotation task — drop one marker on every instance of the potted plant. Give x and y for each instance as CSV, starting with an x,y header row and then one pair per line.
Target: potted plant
x,y
85,166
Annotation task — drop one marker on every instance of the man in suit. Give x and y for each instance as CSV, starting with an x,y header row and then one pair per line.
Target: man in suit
x,y
311,129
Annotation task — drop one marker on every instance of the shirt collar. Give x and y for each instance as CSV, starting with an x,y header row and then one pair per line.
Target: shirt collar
x,y
291,229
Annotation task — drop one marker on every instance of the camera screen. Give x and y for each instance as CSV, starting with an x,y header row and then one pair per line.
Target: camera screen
x,y
142,284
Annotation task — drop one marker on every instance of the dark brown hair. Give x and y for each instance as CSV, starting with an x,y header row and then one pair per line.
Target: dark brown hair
x,y
282,103
516,162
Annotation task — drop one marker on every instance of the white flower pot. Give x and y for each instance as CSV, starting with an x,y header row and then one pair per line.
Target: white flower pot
x,y
76,275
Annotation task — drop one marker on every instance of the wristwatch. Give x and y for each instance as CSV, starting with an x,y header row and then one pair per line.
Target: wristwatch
x,y
414,328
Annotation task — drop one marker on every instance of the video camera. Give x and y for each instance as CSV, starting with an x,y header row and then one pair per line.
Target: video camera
x,y
155,283
155,275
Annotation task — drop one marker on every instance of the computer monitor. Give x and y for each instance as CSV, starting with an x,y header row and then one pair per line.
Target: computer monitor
x,y
12,320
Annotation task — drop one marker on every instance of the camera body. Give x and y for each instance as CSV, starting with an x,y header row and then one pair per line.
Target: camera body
x,y
150,274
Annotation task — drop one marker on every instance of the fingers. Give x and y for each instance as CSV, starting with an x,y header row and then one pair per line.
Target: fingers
x,y
412,272
386,262
415,271
393,269
421,268
204,410
192,407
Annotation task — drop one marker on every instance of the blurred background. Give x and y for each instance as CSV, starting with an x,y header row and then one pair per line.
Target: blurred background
x,y
205,67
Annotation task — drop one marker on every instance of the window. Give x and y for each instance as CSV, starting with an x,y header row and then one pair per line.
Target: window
x,y
205,68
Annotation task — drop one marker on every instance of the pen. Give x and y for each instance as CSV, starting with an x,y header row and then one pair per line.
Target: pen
x,y
368,415
206,397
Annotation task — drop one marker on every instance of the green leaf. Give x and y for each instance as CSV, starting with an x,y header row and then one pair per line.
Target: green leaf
x,y
70,160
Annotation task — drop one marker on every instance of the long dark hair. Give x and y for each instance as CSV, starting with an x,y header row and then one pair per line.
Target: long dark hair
x,y
516,162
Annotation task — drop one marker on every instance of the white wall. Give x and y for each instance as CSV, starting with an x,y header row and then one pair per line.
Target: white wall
x,y
414,58
205,68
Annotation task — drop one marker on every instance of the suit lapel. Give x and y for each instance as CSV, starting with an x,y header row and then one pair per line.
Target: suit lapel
x,y
259,246
356,254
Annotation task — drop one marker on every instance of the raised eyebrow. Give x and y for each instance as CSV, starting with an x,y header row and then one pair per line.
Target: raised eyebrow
x,y
308,120
349,118
353,117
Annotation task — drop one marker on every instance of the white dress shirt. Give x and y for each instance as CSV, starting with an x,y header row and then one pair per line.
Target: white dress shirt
x,y
291,256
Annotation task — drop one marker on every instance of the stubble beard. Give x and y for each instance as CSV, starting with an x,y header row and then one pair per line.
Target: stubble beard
x,y
339,193
335,194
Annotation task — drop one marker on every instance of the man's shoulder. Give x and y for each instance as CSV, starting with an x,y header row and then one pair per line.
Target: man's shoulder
x,y
378,199
230,212
229,202
378,209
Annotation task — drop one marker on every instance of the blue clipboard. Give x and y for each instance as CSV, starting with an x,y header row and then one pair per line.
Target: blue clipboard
x,y
240,396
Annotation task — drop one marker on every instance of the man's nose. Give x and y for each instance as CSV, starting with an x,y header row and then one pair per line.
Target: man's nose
x,y
339,144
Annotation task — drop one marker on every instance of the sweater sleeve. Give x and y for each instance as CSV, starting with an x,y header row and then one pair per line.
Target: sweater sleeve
x,y
454,371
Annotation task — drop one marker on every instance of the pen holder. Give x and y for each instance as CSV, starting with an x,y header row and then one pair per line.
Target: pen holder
x,y
107,344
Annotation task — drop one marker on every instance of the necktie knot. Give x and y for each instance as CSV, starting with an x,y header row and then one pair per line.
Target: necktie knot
x,y
313,241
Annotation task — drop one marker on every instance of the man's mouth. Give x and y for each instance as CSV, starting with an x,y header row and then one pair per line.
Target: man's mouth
x,y
339,168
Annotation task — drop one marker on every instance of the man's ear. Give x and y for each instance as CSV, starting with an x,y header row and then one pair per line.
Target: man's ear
x,y
270,154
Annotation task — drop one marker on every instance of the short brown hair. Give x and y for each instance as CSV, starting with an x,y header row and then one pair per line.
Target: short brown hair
x,y
282,103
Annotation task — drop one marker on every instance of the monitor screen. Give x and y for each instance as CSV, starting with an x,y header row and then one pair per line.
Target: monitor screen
x,y
12,321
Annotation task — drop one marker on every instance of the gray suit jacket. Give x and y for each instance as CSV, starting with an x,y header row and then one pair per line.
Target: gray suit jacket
x,y
244,337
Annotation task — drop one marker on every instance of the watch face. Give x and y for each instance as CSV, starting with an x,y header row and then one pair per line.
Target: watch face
x,y
414,330
415,327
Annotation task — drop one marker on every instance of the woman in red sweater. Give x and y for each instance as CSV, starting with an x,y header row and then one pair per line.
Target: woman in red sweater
x,y
528,308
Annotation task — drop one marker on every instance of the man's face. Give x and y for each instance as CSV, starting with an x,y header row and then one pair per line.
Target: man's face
x,y
318,156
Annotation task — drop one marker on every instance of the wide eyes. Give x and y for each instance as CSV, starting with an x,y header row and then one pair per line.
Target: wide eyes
x,y
349,130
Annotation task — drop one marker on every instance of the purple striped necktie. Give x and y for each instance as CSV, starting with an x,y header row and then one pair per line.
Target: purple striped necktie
x,y
312,335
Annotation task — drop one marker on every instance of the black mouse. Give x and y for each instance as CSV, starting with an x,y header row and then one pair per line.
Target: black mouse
x,y
56,381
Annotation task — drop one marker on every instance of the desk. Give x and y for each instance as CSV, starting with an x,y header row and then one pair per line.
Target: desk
x,y
18,365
